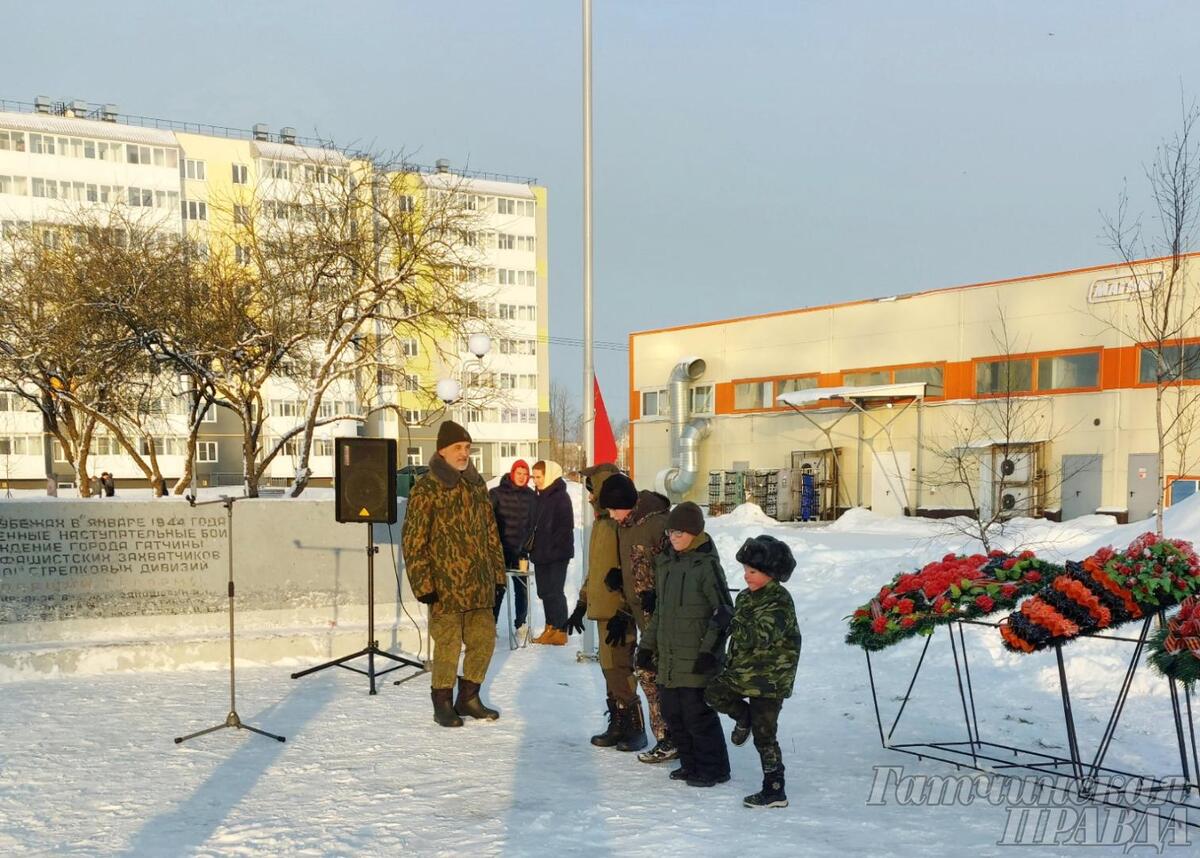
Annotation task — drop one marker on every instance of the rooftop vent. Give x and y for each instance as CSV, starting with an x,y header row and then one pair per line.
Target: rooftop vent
x,y
41,104
442,165
108,113
260,132
77,108
288,135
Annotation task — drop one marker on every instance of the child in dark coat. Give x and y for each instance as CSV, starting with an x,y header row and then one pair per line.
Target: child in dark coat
x,y
764,651
686,641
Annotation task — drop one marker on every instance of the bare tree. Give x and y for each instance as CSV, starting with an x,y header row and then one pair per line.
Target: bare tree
x,y
1163,307
1008,426
60,356
564,428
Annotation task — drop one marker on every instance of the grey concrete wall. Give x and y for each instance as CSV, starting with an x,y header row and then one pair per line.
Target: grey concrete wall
x,y
100,573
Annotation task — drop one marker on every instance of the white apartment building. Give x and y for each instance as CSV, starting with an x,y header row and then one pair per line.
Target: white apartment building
x,y
54,157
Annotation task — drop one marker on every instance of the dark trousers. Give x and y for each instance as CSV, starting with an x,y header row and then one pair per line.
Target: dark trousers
x,y
520,596
551,578
696,731
764,719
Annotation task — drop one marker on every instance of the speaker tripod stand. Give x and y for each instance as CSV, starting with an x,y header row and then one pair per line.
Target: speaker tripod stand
x,y
232,719
372,648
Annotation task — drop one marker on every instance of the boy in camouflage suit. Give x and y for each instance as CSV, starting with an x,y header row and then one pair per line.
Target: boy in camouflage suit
x,y
455,565
764,651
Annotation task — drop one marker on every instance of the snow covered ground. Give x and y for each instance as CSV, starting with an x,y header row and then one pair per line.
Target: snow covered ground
x,y
88,766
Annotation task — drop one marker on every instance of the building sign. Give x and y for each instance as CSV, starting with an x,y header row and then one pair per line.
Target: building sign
x,y
1123,288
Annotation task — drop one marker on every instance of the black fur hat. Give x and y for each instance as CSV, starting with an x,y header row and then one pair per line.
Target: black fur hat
x,y
769,556
618,492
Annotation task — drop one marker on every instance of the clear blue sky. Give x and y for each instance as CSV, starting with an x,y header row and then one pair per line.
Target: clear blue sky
x,y
750,156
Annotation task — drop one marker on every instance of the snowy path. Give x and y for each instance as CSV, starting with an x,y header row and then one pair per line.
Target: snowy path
x,y
88,766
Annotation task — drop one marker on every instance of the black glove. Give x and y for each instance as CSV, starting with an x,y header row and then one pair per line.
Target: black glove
x,y
649,600
706,662
429,598
617,627
722,616
612,579
575,621
644,659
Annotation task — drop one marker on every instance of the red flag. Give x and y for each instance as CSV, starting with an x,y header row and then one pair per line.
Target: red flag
x,y
605,444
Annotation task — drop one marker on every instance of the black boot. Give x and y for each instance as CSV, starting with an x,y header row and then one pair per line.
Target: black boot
x,y
469,704
612,733
633,736
741,726
443,712
771,794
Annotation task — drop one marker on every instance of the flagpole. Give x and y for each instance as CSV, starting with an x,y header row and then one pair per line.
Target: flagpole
x,y
590,637
589,444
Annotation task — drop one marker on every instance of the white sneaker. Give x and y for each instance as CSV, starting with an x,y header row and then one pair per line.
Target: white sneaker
x,y
522,635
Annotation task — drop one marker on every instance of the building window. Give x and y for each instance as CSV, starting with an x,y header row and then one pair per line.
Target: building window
x,y
1181,488
15,185
508,449
190,169
412,382
654,403
870,378
206,451
413,416
241,215
791,385
1004,376
12,141
20,445
1179,363
751,395
409,347
700,399
477,460
413,456
931,375
241,174
1068,372
192,209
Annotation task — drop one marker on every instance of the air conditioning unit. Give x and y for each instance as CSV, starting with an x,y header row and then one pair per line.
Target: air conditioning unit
x,y
1016,501
1014,468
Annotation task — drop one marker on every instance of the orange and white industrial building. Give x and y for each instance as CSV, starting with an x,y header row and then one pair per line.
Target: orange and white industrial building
x,y
1031,396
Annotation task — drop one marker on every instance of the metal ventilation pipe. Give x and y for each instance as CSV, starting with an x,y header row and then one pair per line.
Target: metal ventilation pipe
x,y
686,434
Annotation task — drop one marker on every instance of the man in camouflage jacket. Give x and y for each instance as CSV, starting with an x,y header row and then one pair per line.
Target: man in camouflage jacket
x,y
764,652
455,565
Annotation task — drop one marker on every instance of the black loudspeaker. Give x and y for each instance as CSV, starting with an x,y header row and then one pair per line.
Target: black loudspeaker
x,y
365,480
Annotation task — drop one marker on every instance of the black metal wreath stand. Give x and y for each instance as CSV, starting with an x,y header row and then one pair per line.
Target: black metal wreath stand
x,y
1090,780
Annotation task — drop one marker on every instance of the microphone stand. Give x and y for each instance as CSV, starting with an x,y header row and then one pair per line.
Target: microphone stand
x,y
232,719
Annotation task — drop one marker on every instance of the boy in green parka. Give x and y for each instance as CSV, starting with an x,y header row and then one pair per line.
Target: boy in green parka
x,y
685,636
764,651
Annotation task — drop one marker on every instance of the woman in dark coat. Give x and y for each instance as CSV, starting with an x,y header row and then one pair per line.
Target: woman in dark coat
x,y
514,503
553,548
